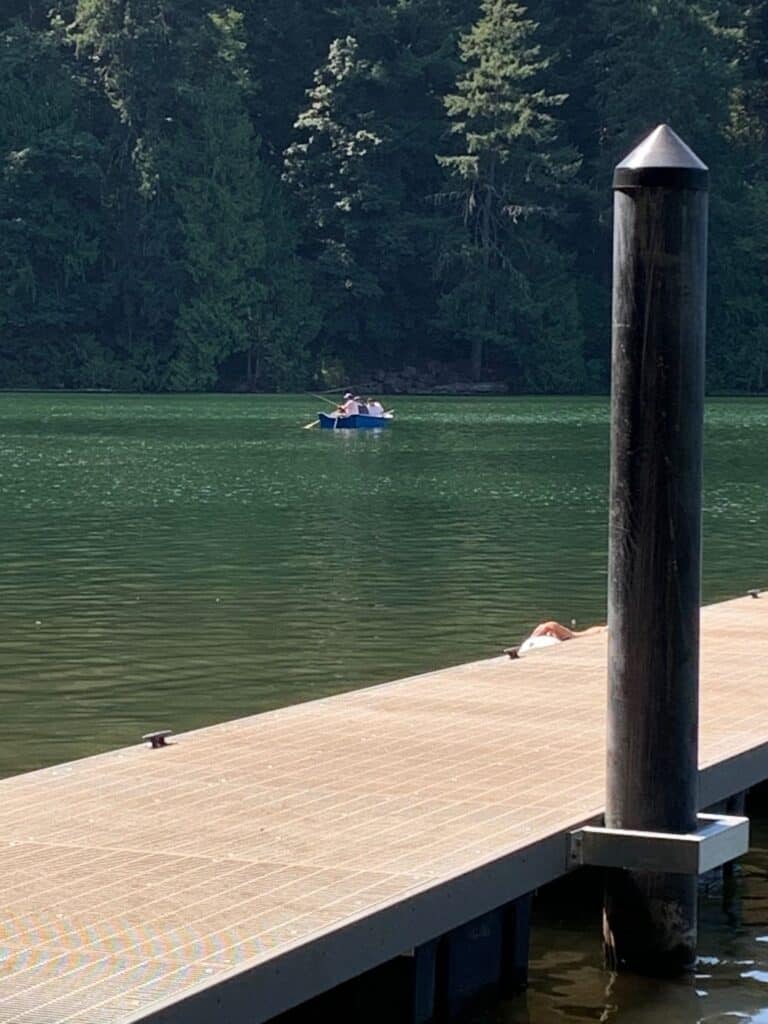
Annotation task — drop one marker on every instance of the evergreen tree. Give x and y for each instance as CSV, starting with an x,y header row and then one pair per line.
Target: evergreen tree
x,y
193,229
362,168
286,41
682,63
218,189
137,61
754,65
147,242
51,229
288,320
510,175
745,360
31,13
669,61
573,35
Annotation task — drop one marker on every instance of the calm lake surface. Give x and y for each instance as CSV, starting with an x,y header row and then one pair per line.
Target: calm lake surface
x,y
177,561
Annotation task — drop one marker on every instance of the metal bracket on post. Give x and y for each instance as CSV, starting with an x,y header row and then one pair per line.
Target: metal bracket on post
x,y
719,838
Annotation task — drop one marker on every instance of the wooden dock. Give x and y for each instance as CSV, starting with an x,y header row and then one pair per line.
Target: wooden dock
x,y
250,866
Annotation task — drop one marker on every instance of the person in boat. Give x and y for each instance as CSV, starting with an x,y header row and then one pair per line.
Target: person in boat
x,y
375,408
548,633
362,406
349,405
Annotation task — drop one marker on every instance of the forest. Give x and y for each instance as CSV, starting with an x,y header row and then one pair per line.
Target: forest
x,y
272,195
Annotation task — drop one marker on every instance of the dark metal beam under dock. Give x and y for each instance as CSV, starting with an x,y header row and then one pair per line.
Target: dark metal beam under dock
x,y
247,867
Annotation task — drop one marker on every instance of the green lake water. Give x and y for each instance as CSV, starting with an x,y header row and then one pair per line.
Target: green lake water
x,y
177,561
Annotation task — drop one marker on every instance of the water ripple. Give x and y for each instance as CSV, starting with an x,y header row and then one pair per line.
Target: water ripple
x,y
182,560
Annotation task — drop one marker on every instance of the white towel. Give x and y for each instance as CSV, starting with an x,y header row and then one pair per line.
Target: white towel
x,y
532,642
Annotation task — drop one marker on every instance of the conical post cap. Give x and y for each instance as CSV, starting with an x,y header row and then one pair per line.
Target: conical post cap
x,y
662,160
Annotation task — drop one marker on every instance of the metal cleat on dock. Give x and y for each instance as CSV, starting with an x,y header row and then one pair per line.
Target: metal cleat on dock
x,y
157,739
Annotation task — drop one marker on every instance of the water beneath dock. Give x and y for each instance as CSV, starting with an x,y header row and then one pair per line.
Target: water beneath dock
x,y
569,985
179,561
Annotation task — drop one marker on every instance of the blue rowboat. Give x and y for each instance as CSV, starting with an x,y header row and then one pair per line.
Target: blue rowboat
x,y
357,422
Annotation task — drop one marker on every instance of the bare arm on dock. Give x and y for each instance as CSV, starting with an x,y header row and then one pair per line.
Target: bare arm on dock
x,y
562,632
544,631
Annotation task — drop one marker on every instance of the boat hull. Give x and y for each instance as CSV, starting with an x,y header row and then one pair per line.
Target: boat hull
x,y
358,422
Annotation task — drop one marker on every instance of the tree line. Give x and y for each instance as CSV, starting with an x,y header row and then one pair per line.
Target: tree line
x,y
272,194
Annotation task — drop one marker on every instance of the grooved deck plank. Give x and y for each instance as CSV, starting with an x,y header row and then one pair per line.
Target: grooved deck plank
x,y
255,863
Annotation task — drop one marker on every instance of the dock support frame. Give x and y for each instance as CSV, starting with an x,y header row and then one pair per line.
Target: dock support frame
x,y
719,839
483,959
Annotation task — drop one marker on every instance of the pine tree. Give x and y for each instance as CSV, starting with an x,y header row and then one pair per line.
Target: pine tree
x,y
190,184
571,33
362,169
744,361
754,65
218,190
137,61
509,178
52,230
285,41
684,63
669,61
31,13
147,242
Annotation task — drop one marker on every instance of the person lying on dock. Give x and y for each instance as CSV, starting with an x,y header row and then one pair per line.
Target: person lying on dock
x,y
548,633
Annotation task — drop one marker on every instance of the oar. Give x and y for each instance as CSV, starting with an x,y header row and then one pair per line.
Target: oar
x,y
335,404
308,426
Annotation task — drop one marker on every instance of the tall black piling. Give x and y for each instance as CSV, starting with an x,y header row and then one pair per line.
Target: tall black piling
x,y
659,315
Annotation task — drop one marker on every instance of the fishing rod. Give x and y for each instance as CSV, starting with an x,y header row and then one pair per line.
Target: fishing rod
x,y
314,423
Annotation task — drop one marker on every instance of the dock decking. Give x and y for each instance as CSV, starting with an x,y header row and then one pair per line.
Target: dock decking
x,y
249,866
